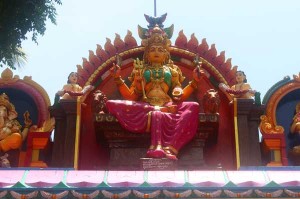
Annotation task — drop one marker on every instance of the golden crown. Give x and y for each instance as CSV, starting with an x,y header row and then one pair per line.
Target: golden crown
x,y
157,37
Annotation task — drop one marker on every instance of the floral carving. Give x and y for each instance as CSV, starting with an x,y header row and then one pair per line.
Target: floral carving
x,y
266,126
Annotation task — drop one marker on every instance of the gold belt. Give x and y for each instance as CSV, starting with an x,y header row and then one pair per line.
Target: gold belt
x,y
155,101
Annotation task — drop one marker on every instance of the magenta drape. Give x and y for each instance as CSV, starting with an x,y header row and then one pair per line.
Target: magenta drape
x,y
168,129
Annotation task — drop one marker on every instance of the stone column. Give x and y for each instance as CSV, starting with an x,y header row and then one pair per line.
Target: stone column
x,y
248,118
63,152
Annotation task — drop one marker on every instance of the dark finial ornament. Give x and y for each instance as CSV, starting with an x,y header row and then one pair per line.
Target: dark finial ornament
x,y
155,22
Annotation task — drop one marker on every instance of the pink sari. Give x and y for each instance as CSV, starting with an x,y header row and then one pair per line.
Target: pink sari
x,y
167,129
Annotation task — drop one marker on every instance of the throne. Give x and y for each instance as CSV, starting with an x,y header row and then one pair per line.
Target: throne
x,y
127,149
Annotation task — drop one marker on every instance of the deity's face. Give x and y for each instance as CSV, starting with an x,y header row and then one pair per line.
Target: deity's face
x,y
157,54
240,77
3,111
72,79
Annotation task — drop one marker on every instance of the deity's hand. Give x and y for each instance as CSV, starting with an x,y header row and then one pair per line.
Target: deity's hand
x,y
137,75
115,71
27,120
177,93
138,64
198,74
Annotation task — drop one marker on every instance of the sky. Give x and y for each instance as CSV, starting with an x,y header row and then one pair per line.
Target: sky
x,y
261,36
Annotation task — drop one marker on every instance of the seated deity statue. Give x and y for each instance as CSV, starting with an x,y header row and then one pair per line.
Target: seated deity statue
x,y
241,89
155,101
11,136
295,127
72,89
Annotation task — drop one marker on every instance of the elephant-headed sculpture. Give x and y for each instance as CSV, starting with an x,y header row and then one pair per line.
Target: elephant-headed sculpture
x,y
11,133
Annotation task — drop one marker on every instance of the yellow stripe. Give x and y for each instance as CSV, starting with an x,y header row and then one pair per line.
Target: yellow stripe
x,y
277,156
35,155
77,136
149,122
236,133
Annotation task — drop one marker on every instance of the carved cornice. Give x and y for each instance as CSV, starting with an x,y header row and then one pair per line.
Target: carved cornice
x,y
205,64
99,62
268,127
92,76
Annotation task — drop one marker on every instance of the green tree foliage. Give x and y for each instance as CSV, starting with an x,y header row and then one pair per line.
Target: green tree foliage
x,y
17,18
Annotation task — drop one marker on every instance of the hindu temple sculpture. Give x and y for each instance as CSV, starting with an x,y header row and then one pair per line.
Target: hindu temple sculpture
x,y
241,89
72,89
11,132
155,100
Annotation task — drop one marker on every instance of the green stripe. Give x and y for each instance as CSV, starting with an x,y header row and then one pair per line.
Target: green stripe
x,y
24,178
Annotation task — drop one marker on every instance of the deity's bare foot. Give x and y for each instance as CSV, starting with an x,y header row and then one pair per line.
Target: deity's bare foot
x,y
170,155
157,153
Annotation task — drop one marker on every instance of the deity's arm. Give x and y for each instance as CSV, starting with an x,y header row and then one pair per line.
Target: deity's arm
x,y
189,89
27,124
177,79
127,93
233,92
193,85
244,92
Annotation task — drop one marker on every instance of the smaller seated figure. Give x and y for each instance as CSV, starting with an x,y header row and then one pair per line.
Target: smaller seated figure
x,y
11,136
72,89
295,127
241,89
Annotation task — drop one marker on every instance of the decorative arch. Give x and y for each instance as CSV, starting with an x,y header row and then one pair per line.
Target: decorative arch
x,y
274,133
34,92
94,70
285,86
